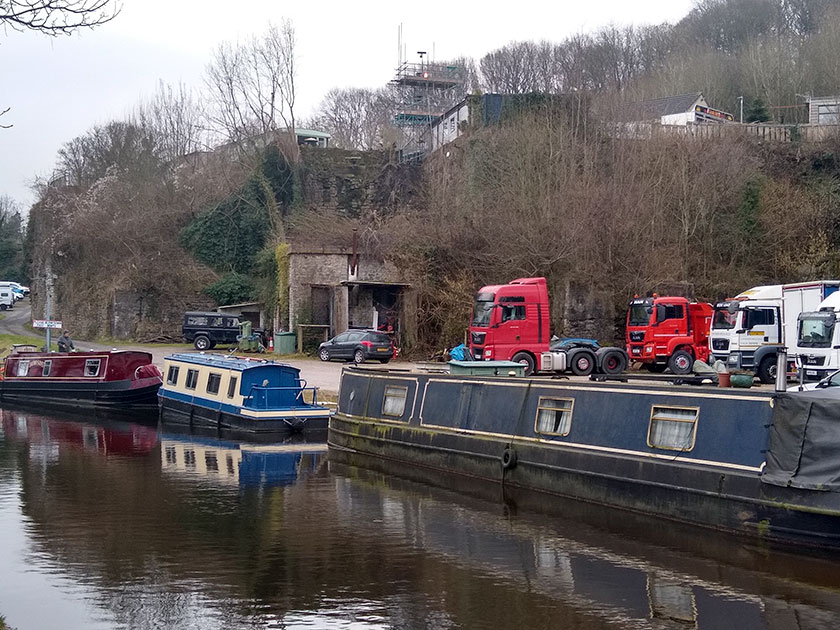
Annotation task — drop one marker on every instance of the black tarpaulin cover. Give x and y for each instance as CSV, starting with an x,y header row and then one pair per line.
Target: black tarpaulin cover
x,y
805,441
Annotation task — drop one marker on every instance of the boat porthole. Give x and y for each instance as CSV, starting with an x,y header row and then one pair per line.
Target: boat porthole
x,y
508,458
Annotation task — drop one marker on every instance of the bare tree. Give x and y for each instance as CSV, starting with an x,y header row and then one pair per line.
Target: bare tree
x,y
56,17
252,85
175,118
355,117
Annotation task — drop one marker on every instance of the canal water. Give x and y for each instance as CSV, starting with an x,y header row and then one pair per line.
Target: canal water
x,y
121,523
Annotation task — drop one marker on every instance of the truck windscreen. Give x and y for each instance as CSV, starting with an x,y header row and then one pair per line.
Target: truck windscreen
x,y
723,319
815,330
482,309
639,315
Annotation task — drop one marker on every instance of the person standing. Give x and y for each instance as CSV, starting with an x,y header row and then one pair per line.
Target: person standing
x,y
65,343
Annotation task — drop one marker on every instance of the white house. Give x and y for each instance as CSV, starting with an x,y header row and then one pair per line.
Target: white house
x,y
680,110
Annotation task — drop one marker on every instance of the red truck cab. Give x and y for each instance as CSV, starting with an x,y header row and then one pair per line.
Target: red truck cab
x,y
510,322
668,332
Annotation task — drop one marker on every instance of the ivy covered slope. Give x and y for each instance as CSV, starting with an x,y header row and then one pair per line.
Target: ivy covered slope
x,y
131,247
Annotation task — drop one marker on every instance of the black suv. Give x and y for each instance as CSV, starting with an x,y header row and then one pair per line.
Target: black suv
x,y
358,346
205,330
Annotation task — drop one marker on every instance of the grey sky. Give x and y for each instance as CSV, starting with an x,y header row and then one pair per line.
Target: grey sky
x,y
59,87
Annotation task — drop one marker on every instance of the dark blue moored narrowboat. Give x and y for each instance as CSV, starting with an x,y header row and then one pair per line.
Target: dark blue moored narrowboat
x,y
208,390
752,462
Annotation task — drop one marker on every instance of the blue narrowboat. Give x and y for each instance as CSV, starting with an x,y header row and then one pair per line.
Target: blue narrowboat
x,y
258,396
748,461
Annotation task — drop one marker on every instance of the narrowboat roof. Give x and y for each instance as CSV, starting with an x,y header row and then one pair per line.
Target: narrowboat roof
x,y
240,364
29,354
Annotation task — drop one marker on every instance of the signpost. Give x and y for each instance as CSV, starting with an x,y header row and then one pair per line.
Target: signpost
x,y
46,323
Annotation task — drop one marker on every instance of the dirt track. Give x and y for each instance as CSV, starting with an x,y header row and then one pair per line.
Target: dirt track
x,y
316,373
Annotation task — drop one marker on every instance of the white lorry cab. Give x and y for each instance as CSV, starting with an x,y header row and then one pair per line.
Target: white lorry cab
x,y
818,339
748,330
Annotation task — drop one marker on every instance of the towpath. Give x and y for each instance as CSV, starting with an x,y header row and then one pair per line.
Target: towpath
x,y
325,376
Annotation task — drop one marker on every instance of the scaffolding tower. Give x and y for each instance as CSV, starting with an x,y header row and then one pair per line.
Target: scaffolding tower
x,y
425,90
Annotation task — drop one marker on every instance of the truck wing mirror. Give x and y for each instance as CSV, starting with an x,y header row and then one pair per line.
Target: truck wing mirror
x,y
732,308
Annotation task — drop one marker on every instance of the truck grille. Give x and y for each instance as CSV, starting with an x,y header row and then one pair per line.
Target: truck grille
x,y
812,360
637,335
720,344
477,338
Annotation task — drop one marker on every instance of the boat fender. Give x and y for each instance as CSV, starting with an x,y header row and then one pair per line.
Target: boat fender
x,y
508,458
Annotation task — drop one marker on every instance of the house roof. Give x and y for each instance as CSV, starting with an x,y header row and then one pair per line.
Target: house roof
x,y
665,106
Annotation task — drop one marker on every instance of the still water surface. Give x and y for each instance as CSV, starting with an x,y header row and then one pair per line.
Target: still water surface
x,y
110,523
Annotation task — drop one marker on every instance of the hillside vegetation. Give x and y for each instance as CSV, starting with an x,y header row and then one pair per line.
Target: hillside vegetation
x,y
141,216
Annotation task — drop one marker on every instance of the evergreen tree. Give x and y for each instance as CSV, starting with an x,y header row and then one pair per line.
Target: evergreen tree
x,y
756,112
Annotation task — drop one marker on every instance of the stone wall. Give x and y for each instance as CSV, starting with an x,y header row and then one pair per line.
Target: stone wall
x,y
586,312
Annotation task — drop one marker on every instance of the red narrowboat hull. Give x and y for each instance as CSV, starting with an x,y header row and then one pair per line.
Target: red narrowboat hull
x,y
112,378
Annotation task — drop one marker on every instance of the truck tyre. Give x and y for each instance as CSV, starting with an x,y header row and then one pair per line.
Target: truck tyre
x,y
202,342
583,363
3,307
525,359
767,370
681,362
612,361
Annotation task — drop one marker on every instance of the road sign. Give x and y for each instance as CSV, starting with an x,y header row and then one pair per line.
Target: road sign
x,y
46,323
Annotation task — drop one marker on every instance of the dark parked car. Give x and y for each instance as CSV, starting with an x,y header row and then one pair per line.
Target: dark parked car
x,y
358,346
205,330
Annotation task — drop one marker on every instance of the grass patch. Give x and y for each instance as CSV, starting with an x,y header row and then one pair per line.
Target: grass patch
x,y
6,343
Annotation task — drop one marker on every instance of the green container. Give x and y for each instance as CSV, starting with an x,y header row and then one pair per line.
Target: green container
x,y
741,380
285,342
487,368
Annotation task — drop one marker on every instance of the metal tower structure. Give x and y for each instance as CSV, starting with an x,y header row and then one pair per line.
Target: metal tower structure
x,y
424,91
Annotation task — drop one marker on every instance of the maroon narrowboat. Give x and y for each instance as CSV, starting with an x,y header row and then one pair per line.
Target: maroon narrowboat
x,y
108,378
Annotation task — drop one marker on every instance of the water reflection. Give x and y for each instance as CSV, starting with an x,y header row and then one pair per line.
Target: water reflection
x,y
112,524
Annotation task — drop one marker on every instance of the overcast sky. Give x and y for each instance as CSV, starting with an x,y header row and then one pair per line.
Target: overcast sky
x,y
58,88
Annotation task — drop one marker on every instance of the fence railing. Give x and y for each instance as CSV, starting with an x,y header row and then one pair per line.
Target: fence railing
x,y
760,131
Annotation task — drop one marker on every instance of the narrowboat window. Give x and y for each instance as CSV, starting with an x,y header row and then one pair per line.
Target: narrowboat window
x,y
211,462
554,415
172,375
171,455
47,368
192,379
673,428
394,401
189,458
92,367
232,386
213,382
23,368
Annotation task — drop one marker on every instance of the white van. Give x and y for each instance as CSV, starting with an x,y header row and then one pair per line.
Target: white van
x,y
7,296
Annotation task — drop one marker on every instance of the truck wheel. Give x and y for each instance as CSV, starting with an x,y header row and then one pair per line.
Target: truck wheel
x,y
583,363
525,359
680,362
613,361
201,342
3,307
767,370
